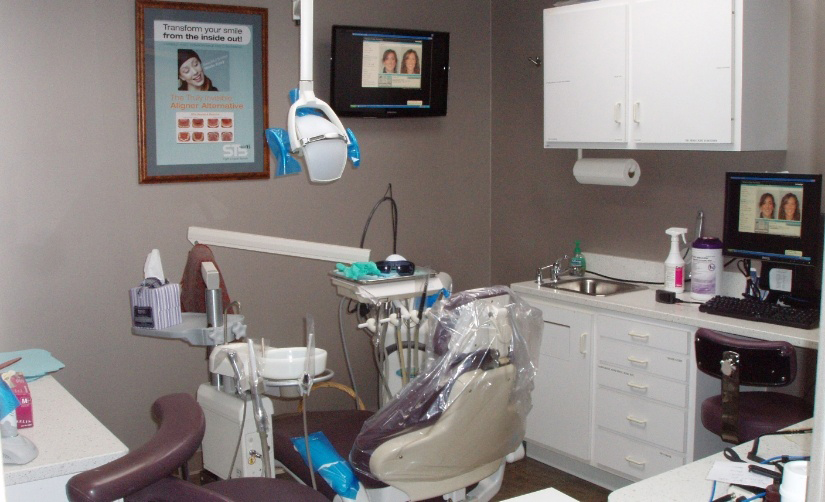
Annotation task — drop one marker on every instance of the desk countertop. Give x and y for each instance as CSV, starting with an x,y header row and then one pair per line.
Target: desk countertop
x,y
643,303
68,437
688,483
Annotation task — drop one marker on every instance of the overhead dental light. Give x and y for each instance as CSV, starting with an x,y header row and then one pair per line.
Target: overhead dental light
x,y
313,129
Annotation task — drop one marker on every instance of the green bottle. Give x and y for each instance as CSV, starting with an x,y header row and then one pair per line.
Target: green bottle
x,y
578,263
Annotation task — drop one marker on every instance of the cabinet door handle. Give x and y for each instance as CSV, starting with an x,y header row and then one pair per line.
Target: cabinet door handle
x,y
633,360
583,343
637,386
642,337
636,113
617,113
639,463
637,421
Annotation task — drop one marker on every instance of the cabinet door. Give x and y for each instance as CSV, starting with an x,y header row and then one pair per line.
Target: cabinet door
x,y
585,74
560,418
682,71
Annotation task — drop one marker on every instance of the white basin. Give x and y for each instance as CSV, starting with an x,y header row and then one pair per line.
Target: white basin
x,y
288,363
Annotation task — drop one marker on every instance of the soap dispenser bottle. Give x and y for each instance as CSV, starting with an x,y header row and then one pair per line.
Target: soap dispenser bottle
x,y
675,264
578,264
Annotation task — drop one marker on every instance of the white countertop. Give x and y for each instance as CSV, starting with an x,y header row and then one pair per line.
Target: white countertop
x,y
643,303
68,437
688,483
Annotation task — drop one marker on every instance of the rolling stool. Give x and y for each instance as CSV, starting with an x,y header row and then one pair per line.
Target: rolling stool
x,y
742,416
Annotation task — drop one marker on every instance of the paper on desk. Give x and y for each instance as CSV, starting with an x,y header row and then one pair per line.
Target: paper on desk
x,y
34,364
737,473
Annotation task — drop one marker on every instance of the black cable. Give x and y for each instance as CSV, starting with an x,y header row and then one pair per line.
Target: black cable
x,y
623,280
394,212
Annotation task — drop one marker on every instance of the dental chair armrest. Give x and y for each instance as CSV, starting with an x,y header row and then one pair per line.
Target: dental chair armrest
x,y
181,430
174,490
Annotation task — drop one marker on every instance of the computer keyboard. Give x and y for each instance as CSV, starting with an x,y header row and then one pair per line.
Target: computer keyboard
x,y
754,310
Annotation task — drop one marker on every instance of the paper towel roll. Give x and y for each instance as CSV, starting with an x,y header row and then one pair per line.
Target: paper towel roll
x,y
616,172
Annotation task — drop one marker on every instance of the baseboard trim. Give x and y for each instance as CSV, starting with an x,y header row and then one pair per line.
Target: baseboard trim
x,y
575,467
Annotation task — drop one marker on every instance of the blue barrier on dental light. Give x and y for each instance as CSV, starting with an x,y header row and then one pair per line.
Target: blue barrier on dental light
x,y
278,141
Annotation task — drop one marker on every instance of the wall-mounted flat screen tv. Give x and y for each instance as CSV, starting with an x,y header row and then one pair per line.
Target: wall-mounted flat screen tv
x,y
389,72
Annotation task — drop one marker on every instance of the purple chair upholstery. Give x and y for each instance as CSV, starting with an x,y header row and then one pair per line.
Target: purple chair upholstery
x,y
761,364
339,426
144,474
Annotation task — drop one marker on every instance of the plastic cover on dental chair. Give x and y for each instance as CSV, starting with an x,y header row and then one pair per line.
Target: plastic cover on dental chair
x,y
456,421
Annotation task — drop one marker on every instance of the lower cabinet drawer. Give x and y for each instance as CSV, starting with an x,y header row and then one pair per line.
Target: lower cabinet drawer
x,y
636,460
642,384
653,422
658,362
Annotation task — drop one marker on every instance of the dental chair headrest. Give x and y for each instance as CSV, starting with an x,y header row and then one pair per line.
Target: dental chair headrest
x,y
445,328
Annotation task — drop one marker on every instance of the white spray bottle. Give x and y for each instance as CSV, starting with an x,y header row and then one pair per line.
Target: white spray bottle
x,y
675,264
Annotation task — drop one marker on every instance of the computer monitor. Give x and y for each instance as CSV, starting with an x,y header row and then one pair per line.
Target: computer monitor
x,y
775,218
389,72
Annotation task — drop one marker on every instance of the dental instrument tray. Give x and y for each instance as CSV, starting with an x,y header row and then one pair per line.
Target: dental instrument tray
x,y
374,289
419,273
192,329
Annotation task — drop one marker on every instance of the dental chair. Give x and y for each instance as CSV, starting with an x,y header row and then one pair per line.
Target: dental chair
x,y
145,474
450,429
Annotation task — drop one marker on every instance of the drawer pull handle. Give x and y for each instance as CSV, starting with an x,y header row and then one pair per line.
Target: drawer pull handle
x,y
642,362
639,463
639,336
638,421
583,343
637,386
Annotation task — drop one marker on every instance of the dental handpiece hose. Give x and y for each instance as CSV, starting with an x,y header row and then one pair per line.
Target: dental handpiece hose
x,y
258,407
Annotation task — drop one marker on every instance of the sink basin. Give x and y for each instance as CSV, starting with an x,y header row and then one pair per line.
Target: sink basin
x,y
593,287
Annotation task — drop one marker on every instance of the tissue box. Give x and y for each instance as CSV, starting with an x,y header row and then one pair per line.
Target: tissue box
x,y
155,308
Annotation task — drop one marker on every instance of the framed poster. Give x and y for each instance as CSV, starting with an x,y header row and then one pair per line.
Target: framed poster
x,y
202,104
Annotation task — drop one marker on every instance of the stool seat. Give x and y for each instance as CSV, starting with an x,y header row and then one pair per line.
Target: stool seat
x,y
759,413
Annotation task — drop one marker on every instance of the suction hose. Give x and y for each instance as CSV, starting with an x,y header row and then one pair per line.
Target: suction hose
x,y
255,388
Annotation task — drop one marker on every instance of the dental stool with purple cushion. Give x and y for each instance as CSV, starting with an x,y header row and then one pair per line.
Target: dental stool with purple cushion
x,y
742,416
452,426
145,474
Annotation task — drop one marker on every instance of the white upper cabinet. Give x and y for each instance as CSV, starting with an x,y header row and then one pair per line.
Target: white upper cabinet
x,y
667,75
682,71
585,96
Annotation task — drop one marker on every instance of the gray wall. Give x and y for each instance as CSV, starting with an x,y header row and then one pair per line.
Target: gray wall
x,y
76,226
539,209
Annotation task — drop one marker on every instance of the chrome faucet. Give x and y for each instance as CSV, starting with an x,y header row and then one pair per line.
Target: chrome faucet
x,y
556,271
